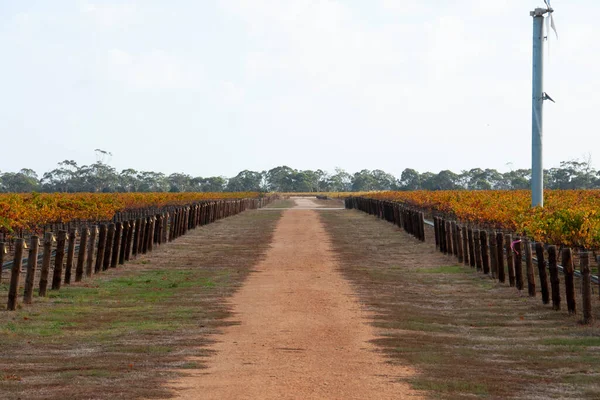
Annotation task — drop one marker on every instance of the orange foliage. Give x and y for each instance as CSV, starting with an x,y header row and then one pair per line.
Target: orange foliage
x,y
569,217
31,211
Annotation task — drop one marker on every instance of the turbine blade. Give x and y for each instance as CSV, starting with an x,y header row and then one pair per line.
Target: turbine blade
x,y
547,21
553,26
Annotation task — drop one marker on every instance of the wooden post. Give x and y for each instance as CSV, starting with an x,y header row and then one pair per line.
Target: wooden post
x,y
85,232
196,215
110,237
459,244
175,222
454,239
116,245
448,238
518,262
15,274
136,237
483,243
186,221
32,260
192,218
89,267
101,248
129,244
141,249
180,226
437,234
567,263
529,268
175,228
471,247
465,245
155,229
47,255
539,252
509,259
58,262
597,264
586,287
554,281
146,235
415,226
3,251
477,242
165,231
151,233
500,257
493,255
159,227
172,221
123,242
70,259
416,229
442,228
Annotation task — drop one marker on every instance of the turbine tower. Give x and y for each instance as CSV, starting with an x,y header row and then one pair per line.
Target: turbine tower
x,y
538,98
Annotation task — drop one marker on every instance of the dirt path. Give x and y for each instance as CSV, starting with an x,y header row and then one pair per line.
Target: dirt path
x,y
305,203
300,334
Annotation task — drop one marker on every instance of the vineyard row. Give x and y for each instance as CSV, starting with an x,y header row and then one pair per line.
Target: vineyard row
x,y
106,245
497,254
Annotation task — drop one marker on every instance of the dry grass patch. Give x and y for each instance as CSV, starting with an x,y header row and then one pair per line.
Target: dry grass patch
x,y
468,336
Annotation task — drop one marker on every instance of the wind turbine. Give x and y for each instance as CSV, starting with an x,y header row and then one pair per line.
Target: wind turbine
x,y
538,98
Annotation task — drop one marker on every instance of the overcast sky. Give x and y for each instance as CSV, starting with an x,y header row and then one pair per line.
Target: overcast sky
x,y
211,87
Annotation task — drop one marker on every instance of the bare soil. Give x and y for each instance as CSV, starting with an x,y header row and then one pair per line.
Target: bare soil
x,y
298,332
313,202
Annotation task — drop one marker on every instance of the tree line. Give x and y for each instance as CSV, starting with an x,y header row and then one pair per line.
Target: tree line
x,y
101,177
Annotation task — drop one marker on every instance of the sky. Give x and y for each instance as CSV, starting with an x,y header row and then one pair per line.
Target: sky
x,y
213,87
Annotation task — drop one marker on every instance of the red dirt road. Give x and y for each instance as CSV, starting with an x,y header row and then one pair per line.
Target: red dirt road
x,y
301,332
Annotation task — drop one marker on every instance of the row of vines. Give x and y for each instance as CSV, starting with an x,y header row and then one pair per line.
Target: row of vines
x,y
569,217
32,212
88,250
496,253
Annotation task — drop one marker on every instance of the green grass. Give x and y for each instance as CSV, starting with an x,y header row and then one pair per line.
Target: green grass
x,y
585,341
451,269
582,379
479,390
